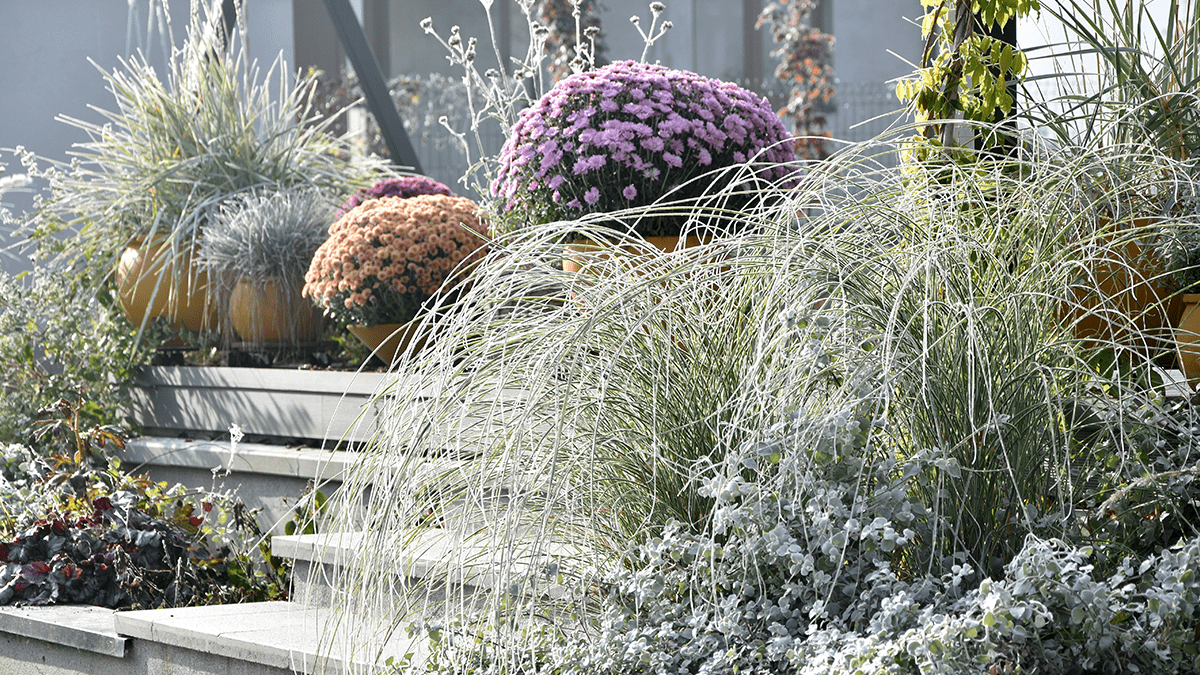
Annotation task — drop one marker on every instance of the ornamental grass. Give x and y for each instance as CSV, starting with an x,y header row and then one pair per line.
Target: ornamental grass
x,y
857,434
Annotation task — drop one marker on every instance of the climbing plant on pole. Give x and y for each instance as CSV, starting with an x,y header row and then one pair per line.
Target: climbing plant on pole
x,y
964,71
565,20
803,52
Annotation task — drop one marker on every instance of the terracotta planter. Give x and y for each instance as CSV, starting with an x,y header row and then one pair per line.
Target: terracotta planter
x,y
149,286
1130,304
578,255
387,340
1187,336
261,313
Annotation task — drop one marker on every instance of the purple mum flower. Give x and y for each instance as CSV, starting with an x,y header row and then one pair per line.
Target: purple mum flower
x,y
406,187
640,121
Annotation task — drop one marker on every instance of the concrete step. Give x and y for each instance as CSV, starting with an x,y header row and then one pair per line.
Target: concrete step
x,y
430,554
436,562
269,638
286,636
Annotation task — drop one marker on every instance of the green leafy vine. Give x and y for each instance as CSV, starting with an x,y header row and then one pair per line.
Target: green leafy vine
x,y
963,71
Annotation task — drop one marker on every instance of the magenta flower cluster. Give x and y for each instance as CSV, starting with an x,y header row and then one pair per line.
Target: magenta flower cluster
x,y
629,133
408,186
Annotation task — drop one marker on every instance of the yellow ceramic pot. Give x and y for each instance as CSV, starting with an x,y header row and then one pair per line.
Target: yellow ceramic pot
x,y
148,286
387,340
262,313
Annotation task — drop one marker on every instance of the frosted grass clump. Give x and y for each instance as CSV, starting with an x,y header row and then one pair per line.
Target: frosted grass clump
x,y
859,408
264,235
630,134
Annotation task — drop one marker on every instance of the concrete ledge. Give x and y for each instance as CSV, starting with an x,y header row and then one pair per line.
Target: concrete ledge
x,y
279,402
266,379
78,626
281,635
431,555
428,549
274,460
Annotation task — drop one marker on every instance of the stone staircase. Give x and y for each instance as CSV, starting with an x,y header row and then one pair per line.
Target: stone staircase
x,y
251,638
246,639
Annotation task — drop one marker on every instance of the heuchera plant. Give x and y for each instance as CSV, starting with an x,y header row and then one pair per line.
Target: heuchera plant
x,y
77,528
629,134
408,186
388,256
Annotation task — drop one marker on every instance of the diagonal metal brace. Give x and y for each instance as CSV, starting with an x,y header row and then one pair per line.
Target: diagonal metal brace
x,y
370,78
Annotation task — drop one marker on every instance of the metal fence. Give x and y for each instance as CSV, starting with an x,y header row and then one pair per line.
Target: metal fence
x,y
858,111
863,110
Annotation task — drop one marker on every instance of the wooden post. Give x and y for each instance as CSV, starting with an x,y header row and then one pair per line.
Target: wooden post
x,y
1004,140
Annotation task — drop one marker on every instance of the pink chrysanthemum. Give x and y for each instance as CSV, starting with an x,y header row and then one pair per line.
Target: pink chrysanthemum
x,y
629,133
387,256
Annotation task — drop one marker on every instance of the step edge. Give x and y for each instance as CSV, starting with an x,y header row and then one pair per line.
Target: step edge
x,y
258,458
147,626
68,625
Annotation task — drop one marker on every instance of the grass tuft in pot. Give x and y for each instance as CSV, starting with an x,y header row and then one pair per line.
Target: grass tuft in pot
x,y
257,252
178,145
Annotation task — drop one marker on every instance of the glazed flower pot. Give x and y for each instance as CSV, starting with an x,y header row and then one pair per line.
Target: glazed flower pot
x,y
1129,303
262,313
1187,336
387,340
580,254
149,286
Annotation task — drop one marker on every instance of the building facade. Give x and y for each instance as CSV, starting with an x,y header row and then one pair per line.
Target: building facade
x,y
47,52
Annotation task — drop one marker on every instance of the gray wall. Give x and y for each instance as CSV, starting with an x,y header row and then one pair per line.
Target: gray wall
x,y
866,30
